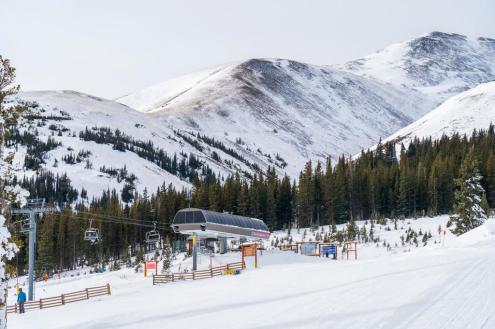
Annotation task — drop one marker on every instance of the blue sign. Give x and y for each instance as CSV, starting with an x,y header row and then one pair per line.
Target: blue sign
x,y
309,249
330,249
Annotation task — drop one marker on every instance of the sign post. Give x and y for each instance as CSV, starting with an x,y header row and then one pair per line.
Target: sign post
x,y
195,251
351,246
249,250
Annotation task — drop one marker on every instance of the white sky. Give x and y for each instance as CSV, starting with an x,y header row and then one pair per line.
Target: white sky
x,y
112,47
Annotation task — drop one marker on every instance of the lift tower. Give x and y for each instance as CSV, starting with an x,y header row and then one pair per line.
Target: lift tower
x,y
32,208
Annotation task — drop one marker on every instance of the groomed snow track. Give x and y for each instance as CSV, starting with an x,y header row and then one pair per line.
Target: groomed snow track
x,y
432,287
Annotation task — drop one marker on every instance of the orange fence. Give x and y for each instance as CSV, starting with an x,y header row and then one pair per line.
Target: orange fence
x,y
63,299
197,275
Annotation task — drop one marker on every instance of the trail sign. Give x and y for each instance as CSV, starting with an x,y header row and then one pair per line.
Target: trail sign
x,y
249,250
150,266
328,249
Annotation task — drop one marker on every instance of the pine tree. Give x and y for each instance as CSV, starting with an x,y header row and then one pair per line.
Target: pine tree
x,y
46,246
167,259
305,196
490,177
341,193
469,195
352,230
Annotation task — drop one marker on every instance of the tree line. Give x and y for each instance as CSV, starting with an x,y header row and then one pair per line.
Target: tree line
x,y
391,181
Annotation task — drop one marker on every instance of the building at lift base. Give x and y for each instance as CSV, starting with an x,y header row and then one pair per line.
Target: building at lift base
x,y
210,224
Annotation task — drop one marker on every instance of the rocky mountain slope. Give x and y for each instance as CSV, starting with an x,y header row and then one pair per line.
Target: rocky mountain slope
x,y
245,116
297,110
437,64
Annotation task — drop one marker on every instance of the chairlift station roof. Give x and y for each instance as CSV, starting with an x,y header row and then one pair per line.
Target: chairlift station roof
x,y
206,223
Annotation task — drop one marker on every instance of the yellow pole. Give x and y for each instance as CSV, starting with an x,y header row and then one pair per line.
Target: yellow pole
x,y
255,255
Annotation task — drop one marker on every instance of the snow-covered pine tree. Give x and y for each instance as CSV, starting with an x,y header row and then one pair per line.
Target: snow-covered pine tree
x,y
351,230
469,198
8,117
167,259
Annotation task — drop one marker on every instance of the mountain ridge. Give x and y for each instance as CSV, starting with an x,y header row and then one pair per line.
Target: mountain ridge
x,y
247,115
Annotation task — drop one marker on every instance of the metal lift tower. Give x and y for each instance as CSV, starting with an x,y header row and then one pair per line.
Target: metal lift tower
x,y
33,207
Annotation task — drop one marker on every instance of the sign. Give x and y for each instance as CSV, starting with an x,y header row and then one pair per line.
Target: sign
x,y
330,249
150,266
249,250
309,249
262,235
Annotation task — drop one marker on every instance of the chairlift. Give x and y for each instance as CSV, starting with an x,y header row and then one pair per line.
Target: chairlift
x,y
153,236
25,226
92,234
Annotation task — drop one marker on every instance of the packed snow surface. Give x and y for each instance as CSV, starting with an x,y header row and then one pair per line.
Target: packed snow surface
x,y
442,285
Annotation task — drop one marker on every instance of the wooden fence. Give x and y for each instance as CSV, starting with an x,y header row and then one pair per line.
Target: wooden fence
x,y
63,299
197,275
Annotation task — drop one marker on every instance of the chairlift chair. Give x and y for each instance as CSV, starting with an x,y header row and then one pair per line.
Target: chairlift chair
x,y
153,236
92,234
25,226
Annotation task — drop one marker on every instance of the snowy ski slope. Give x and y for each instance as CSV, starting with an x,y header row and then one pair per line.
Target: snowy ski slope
x,y
472,109
437,286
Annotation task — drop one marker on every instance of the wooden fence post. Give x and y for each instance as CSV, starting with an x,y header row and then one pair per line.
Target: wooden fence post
x,y
211,272
41,303
193,276
172,277
15,307
63,299
109,290
87,293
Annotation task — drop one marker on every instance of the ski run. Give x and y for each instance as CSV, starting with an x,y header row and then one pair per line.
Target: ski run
x,y
449,283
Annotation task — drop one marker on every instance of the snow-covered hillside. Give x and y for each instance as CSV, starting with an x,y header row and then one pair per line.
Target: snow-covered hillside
x,y
297,110
437,64
62,115
246,116
443,285
472,109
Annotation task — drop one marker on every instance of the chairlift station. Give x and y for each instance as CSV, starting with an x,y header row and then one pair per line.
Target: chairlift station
x,y
211,224
205,224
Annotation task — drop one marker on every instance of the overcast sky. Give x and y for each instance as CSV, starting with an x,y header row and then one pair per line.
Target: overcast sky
x,y
109,48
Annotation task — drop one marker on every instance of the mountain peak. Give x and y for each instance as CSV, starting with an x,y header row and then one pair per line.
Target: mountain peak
x,y
438,64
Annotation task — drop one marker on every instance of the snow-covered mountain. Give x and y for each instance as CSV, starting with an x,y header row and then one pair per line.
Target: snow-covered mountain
x,y
246,116
437,64
297,110
472,109
61,115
